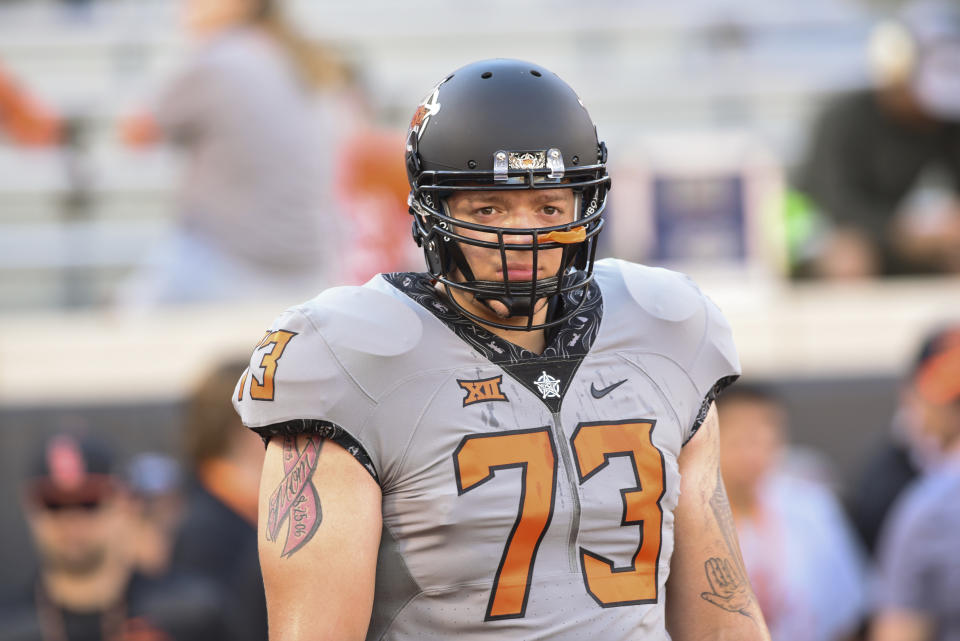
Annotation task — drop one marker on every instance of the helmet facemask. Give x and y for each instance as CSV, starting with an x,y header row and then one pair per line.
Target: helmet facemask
x,y
442,236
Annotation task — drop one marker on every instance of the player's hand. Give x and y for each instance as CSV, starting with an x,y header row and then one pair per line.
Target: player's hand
x,y
728,590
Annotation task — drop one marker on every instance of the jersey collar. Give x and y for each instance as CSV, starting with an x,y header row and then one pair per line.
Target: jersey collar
x,y
547,375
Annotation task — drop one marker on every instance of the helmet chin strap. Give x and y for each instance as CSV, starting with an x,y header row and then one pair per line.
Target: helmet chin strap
x,y
515,306
518,303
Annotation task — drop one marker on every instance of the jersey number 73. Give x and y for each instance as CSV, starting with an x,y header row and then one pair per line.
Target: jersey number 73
x,y
477,459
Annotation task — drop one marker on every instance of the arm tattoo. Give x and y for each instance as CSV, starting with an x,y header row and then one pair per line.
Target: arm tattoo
x,y
728,590
721,511
295,501
729,586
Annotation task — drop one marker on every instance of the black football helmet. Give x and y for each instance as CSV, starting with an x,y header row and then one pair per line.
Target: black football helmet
x,y
504,125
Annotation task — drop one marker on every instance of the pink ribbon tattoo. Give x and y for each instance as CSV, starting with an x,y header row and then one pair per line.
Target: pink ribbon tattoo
x,y
295,500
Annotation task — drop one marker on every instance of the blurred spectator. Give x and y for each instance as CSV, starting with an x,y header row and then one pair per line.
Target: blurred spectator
x,y
887,471
78,511
155,485
799,552
253,218
898,460
218,538
883,164
23,119
372,190
919,553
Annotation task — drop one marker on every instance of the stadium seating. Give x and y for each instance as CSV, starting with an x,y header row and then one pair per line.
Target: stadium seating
x,y
642,67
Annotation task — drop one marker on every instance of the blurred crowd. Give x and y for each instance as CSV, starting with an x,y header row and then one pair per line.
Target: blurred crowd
x,y
291,179
290,184
283,165
159,548
878,562
880,180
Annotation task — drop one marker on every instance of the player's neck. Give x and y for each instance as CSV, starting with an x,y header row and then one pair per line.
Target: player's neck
x,y
533,340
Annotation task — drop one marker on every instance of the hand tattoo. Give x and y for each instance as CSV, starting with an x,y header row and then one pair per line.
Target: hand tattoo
x,y
295,500
728,589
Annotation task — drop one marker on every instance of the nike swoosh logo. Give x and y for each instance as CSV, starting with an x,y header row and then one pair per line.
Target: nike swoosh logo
x,y
600,393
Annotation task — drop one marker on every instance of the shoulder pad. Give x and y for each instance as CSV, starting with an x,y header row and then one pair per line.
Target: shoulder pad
x,y
663,312
365,320
686,325
664,294
308,364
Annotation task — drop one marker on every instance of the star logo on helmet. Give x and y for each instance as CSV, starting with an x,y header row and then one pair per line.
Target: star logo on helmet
x,y
548,386
429,107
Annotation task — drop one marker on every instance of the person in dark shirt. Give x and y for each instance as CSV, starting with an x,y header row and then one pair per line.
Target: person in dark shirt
x,y
86,589
874,152
886,472
919,550
218,536
900,458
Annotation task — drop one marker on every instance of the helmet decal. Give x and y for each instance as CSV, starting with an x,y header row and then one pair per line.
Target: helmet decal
x,y
528,160
429,107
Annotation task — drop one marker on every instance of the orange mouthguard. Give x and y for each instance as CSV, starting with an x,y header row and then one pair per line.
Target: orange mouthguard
x,y
575,235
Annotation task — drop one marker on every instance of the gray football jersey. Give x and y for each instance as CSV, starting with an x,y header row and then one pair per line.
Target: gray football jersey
x,y
525,496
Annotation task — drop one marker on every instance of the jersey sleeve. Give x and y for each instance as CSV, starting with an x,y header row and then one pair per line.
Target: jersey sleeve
x,y
296,385
715,364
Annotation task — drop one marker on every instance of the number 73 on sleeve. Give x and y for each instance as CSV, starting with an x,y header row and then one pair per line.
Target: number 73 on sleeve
x,y
272,345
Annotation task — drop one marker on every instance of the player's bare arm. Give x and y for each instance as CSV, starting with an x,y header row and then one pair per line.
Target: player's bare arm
x,y
319,535
294,506
708,594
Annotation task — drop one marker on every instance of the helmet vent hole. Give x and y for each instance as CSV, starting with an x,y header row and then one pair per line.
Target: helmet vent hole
x,y
534,72
486,74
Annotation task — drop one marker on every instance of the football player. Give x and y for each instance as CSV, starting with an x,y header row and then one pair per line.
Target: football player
x,y
519,443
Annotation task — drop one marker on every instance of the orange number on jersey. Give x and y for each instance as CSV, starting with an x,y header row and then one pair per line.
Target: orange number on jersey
x,y
279,339
594,444
476,461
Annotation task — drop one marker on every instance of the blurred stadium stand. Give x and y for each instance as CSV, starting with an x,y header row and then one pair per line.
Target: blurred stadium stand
x,y
641,66
74,221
